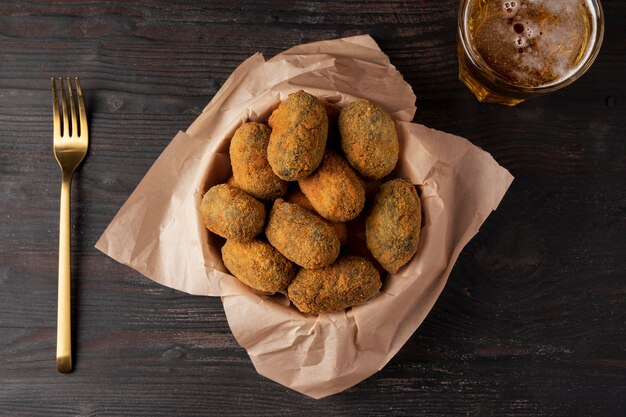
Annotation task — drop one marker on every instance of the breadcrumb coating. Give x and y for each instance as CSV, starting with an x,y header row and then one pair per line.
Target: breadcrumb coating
x,y
351,280
231,213
334,189
369,139
392,227
301,235
296,196
251,170
298,139
258,265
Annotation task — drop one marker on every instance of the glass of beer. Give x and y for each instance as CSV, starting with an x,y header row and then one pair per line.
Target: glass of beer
x,y
512,50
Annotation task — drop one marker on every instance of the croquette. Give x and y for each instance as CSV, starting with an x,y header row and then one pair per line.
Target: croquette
x,y
298,139
369,139
296,196
334,189
248,157
344,197
392,227
301,235
258,265
231,213
351,280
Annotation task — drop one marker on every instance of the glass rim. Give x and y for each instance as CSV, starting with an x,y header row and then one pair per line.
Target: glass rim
x,y
478,63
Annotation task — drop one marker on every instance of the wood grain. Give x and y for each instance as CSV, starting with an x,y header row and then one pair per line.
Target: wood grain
x,y
531,323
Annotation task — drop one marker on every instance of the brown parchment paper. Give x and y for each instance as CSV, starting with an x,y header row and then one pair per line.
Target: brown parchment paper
x,y
158,231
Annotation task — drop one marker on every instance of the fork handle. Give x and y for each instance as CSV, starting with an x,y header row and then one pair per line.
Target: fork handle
x,y
64,311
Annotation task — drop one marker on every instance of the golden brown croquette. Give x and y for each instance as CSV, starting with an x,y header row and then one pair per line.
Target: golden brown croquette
x,y
334,189
298,139
231,213
301,235
369,139
296,196
248,157
351,280
392,227
258,265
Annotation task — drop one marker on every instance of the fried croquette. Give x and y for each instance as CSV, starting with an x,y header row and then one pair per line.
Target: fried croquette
x,y
298,139
351,280
231,213
258,265
334,189
369,139
248,157
392,227
296,196
301,235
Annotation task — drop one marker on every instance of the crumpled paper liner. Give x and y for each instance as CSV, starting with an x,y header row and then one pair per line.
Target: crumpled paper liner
x,y
158,231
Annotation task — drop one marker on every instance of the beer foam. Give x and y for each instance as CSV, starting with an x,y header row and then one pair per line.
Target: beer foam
x,y
540,51
511,6
559,7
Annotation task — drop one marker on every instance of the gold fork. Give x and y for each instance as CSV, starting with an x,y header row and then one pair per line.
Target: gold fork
x,y
70,139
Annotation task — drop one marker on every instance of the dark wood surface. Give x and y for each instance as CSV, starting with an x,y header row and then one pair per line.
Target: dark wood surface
x,y
532,321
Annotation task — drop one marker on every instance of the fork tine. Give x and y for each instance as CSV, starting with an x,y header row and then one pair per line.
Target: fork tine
x,y
56,118
72,109
81,109
64,108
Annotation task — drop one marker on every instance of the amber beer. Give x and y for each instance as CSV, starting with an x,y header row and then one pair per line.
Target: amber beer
x,y
511,50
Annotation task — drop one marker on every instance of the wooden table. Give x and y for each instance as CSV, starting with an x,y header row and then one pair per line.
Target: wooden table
x,y
532,321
